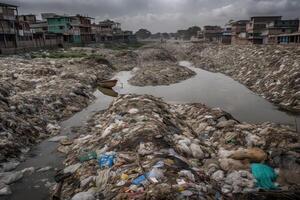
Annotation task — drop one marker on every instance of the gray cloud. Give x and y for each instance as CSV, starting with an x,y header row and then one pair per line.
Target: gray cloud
x,y
164,15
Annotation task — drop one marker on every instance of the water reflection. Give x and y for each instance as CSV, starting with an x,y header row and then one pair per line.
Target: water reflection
x,y
108,91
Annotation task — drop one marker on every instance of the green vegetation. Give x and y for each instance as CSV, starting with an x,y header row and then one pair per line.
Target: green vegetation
x,y
124,46
59,54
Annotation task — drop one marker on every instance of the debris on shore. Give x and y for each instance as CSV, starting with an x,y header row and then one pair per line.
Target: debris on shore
x,y
36,94
144,148
160,73
271,71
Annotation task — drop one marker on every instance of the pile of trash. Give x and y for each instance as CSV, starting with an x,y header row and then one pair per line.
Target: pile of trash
x,y
144,148
156,53
160,73
36,94
271,71
157,65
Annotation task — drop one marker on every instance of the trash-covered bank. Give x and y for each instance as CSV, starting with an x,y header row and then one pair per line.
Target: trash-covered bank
x,y
36,94
160,73
144,148
271,71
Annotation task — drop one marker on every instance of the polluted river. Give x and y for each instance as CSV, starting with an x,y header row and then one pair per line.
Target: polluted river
x,y
212,89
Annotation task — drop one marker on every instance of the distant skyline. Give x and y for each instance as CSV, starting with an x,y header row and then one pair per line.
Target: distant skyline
x,y
163,15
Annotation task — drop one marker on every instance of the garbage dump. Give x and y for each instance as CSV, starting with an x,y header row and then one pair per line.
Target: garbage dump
x,y
271,71
123,60
160,73
36,94
144,148
158,66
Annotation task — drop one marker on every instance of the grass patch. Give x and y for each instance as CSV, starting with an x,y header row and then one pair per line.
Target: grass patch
x,y
59,55
123,46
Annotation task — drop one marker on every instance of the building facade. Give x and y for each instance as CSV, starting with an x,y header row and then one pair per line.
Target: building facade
x,y
74,29
212,33
238,32
8,26
257,25
279,27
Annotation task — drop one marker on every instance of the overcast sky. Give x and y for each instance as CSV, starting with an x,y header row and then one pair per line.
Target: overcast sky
x,y
163,15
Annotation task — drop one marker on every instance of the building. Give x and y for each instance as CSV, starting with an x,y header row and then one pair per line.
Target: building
x,y
226,35
81,28
238,32
257,25
75,29
23,26
30,18
212,33
108,30
39,27
8,23
279,27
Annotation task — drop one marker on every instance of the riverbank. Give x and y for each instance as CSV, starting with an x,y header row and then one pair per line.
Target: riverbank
x,y
37,94
270,71
157,150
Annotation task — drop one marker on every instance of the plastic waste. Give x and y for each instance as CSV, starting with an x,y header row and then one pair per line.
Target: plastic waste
x,y
107,160
154,175
139,180
72,168
88,156
84,196
264,175
10,177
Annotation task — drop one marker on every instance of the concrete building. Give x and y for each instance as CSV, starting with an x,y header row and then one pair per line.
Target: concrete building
x,y
257,25
212,33
8,26
75,29
108,30
227,34
279,27
238,32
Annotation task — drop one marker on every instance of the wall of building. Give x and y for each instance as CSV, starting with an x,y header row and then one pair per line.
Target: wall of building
x,y
58,25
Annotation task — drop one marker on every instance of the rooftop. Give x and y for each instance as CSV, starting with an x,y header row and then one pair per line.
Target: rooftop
x,y
267,16
7,5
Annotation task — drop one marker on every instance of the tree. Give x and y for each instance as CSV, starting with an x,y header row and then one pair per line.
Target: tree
x,y
166,36
192,32
143,34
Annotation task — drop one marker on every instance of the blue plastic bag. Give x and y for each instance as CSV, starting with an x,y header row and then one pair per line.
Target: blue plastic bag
x,y
140,179
106,160
264,175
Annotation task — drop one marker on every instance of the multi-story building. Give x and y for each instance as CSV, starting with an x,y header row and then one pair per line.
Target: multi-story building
x,y
226,35
8,26
257,25
81,29
109,30
212,33
75,29
238,32
279,27
23,25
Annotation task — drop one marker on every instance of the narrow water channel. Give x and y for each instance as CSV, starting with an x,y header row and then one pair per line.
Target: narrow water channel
x,y
212,89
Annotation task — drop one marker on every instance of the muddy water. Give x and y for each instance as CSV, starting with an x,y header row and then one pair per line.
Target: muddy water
x,y
212,89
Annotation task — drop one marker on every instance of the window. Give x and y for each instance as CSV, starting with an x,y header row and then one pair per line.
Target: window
x,y
61,27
